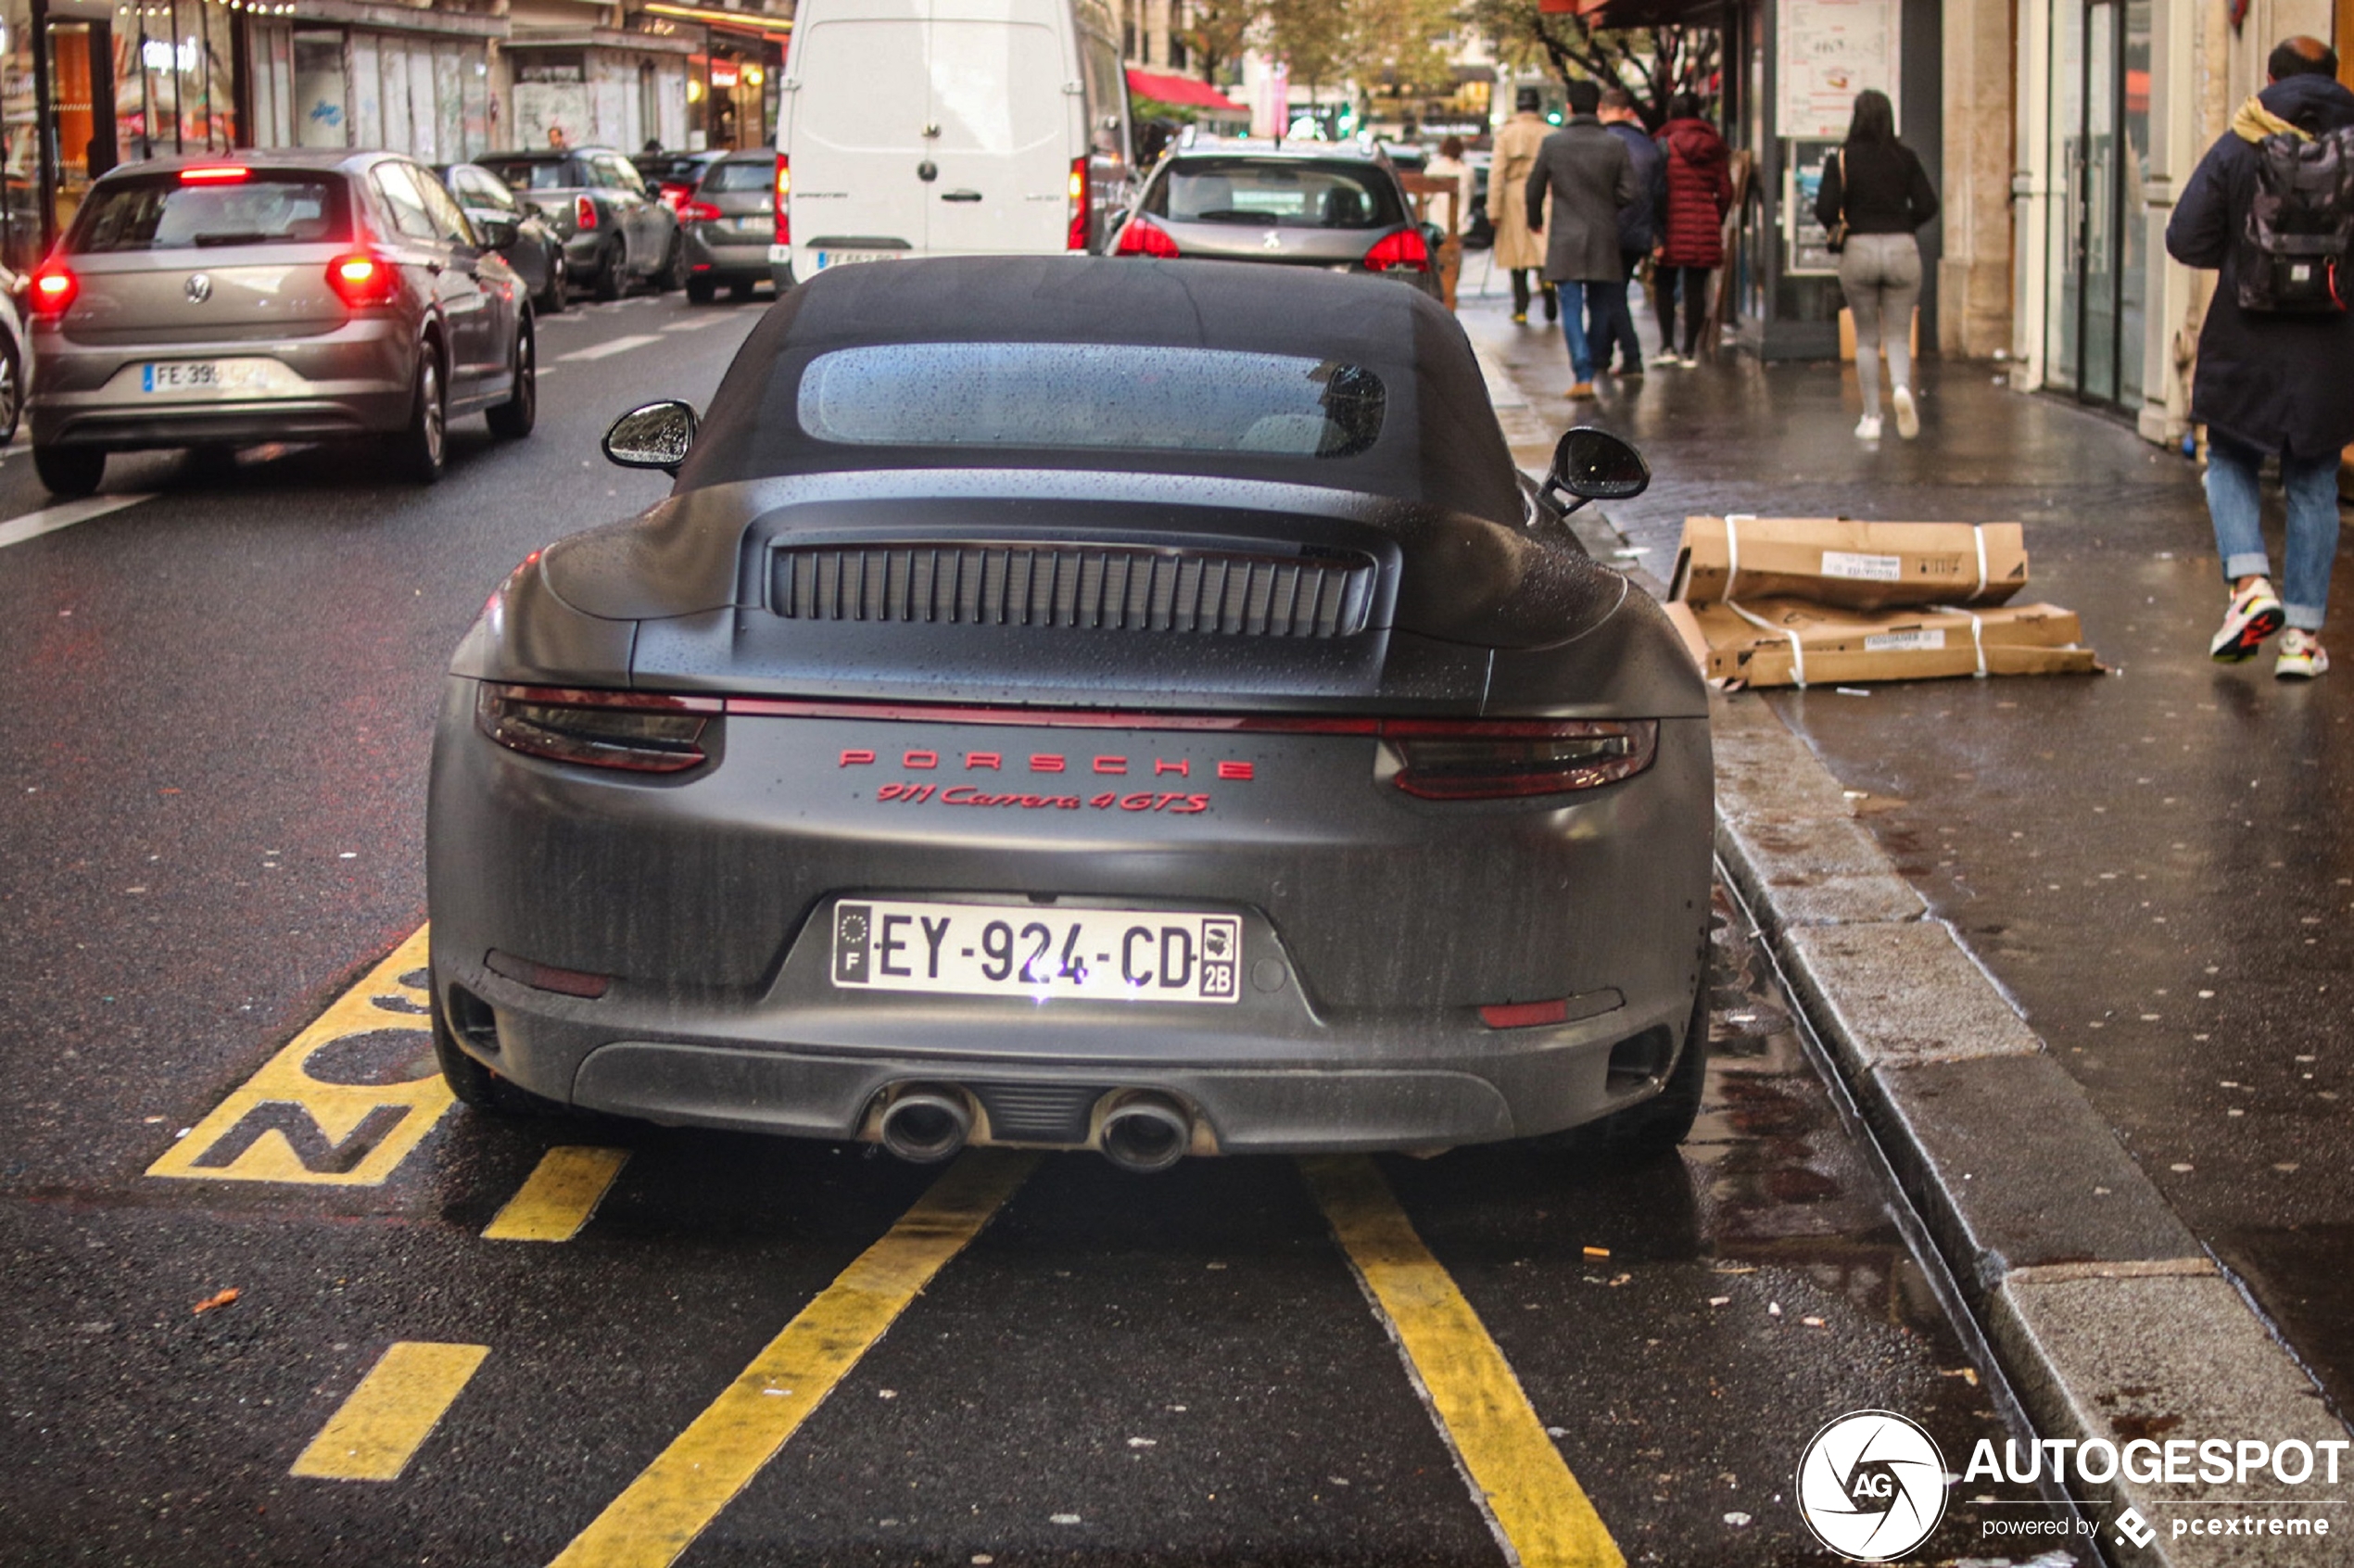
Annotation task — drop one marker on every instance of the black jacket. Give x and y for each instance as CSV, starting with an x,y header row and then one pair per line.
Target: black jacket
x,y
2276,383
1638,224
1885,190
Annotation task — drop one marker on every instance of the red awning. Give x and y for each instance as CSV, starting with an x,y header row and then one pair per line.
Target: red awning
x,y
1181,90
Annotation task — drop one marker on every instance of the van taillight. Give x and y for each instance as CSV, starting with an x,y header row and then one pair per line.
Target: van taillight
x,y
784,199
53,289
635,731
360,278
1497,759
584,213
1403,250
1077,239
1144,237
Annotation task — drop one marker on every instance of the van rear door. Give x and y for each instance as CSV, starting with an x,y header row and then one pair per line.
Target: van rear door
x,y
1006,124
860,104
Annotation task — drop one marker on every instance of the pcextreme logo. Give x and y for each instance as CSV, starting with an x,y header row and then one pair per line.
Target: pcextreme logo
x,y
1871,1485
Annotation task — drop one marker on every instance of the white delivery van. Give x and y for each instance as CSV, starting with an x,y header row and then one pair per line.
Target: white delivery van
x,y
947,127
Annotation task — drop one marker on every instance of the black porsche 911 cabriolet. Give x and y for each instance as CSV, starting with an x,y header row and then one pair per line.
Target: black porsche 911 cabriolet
x,y
1082,703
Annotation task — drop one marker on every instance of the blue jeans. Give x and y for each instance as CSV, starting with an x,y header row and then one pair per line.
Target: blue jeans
x,y
2310,484
1586,318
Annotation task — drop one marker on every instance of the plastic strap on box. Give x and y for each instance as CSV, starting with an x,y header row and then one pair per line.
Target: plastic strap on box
x,y
1977,626
1733,548
1979,531
1797,649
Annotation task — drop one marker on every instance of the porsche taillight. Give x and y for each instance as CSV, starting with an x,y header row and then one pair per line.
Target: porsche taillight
x,y
1499,759
631,731
1144,237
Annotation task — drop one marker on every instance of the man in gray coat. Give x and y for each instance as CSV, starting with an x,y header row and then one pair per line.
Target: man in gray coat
x,y
1591,179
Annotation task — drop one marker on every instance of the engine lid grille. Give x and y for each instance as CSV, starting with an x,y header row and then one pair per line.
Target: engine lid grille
x,y
1113,587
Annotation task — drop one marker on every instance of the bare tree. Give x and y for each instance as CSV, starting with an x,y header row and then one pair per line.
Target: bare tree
x,y
1652,63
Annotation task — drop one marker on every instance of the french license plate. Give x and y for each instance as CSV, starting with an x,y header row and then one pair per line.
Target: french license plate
x,y
227,377
845,257
1038,951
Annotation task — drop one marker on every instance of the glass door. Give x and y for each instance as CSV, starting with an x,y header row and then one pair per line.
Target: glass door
x,y
2097,337
2099,155
2064,296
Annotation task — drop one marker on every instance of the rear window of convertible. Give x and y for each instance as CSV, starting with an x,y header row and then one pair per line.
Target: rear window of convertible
x,y
1091,394
160,212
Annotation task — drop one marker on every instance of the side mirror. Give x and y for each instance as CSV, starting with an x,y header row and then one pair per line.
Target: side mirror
x,y
656,436
1595,465
497,233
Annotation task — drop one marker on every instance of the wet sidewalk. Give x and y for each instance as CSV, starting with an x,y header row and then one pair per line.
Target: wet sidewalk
x,y
2152,864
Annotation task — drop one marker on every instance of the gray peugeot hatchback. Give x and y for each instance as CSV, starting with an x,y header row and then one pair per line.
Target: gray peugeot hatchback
x,y
213,303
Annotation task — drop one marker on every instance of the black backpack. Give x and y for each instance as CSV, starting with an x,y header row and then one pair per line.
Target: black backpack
x,y
2300,226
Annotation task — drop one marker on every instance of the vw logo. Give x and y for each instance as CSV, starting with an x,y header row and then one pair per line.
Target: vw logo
x,y
1871,1485
199,288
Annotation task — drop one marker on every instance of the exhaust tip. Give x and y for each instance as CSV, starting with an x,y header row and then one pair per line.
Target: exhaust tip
x,y
1146,1133
926,1125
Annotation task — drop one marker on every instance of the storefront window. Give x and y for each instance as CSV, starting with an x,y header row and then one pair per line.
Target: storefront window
x,y
2098,246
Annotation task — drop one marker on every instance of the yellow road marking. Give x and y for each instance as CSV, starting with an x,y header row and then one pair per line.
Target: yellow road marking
x,y
1539,1507
353,1134
662,1512
558,1196
388,1417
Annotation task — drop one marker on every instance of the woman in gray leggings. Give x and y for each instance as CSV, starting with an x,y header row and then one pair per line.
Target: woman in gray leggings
x,y
1879,187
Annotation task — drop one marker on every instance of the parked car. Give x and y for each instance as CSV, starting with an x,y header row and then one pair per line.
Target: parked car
x,y
1075,702
674,175
1332,206
615,234
731,221
537,255
949,135
277,296
16,360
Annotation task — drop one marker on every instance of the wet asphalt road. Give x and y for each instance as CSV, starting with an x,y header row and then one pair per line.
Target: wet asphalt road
x,y
211,771
2156,864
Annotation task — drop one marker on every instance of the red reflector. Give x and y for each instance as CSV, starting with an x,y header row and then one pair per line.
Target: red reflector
x,y
1144,237
784,194
546,976
215,174
1525,1014
584,213
1403,249
53,289
359,279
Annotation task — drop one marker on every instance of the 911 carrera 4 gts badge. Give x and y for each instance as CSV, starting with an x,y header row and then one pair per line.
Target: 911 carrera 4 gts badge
x,y
1046,797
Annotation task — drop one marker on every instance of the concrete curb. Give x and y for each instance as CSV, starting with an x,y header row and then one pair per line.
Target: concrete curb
x,y
2108,1319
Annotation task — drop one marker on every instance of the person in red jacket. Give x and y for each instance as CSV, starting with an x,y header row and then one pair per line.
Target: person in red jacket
x,y
1691,244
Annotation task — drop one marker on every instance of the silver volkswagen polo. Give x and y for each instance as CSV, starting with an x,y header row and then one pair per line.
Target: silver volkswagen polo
x,y
213,303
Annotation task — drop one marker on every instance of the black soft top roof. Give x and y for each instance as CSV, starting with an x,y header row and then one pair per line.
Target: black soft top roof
x,y
1439,442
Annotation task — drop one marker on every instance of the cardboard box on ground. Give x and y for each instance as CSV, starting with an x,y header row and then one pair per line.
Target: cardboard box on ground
x,y
1816,602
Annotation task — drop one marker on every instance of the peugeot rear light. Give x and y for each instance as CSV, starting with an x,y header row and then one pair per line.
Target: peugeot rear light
x,y
1401,251
698,212
1498,759
360,278
584,213
54,287
632,731
1077,238
784,196
1144,237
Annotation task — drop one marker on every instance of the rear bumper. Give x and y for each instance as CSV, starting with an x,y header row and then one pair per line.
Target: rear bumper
x,y
1375,929
356,380
735,261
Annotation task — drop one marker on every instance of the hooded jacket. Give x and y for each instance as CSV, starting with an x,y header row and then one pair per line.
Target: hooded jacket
x,y
1700,192
2275,383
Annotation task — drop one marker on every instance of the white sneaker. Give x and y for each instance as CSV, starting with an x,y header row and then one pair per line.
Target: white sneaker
x,y
1908,418
1667,357
2301,656
1688,362
1867,428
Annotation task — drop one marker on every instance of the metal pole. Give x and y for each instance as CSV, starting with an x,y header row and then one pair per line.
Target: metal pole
x,y
44,128
146,93
179,121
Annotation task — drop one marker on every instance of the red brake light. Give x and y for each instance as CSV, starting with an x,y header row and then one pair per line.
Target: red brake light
x,y
1144,237
215,174
1077,240
697,212
53,289
784,192
672,193
360,278
635,731
584,213
1403,249
1497,759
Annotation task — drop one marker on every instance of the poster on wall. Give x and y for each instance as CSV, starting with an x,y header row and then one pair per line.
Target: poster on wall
x,y
1810,252
1830,51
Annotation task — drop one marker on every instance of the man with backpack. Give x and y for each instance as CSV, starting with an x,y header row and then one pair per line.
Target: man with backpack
x,y
2271,206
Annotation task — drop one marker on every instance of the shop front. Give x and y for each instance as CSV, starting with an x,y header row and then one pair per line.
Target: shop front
x,y
326,73
735,72
2097,253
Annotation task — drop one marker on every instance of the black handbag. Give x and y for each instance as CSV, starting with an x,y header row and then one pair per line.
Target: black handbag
x,y
1835,238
